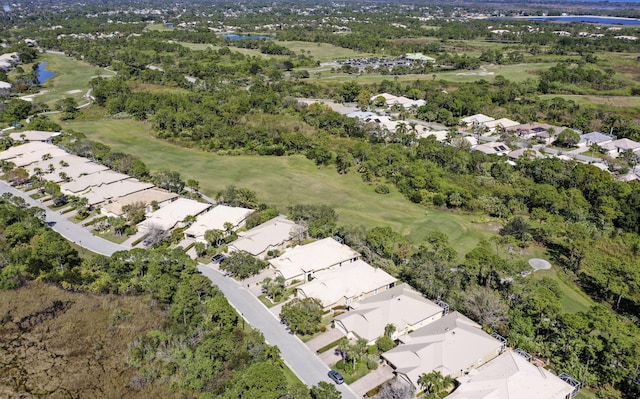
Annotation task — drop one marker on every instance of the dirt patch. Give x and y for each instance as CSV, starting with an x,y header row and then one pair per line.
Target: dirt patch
x,y
60,344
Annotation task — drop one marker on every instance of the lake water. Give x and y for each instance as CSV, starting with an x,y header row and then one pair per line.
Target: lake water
x,y
588,18
43,74
233,36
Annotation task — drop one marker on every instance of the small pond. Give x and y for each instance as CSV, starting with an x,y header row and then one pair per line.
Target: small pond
x,y
43,74
233,36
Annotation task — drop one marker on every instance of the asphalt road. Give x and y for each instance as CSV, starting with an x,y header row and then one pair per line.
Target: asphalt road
x,y
308,367
69,230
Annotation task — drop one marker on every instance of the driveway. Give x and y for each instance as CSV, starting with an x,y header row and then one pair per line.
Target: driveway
x,y
375,378
331,335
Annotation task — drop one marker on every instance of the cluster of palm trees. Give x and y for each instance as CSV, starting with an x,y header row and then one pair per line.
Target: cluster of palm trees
x,y
435,383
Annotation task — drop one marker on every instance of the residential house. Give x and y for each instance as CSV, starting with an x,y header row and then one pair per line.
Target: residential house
x,y
404,102
475,120
371,117
33,135
528,153
108,192
502,123
274,234
5,88
8,60
511,376
303,261
216,219
146,197
493,148
439,135
173,214
84,182
28,153
598,138
453,345
401,306
532,130
65,168
617,147
346,284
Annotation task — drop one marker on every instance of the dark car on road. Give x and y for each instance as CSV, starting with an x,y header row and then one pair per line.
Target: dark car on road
x,y
218,258
336,377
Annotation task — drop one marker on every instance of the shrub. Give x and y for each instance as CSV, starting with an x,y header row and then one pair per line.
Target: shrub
x,y
382,189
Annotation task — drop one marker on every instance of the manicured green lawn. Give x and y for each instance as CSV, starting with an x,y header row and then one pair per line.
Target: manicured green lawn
x,y
322,52
158,27
573,299
71,75
283,181
611,102
516,73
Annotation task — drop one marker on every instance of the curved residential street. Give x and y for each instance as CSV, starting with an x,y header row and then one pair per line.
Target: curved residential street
x,y
69,230
305,364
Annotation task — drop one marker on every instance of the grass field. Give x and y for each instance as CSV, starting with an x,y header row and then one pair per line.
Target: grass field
x,y
282,181
573,299
245,51
322,52
158,27
600,101
516,73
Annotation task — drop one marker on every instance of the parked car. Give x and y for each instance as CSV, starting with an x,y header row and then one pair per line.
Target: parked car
x,y
218,258
336,377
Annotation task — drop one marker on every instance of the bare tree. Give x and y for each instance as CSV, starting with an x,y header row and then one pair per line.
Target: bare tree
x,y
486,307
155,234
396,389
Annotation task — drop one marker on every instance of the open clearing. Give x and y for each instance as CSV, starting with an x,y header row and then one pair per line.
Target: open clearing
x,y
282,181
611,101
322,52
573,299
516,73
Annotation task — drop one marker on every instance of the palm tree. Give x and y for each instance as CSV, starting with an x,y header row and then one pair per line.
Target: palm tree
x,y
228,227
434,383
213,236
401,128
389,330
188,220
81,205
